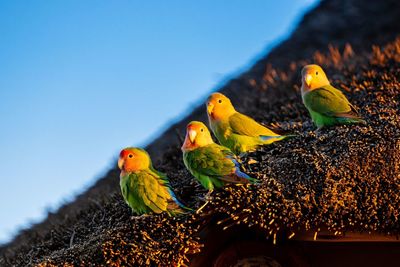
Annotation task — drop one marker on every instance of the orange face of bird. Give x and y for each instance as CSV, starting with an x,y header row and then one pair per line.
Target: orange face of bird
x,y
197,135
133,159
219,107
313,76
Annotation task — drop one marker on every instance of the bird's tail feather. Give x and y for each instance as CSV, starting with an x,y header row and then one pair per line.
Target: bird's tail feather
x,y
347,120
239,177
178,211
271,139
176,207
288,136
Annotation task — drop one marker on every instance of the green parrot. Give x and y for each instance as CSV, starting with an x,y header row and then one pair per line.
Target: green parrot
x,y
327,105
234,130
211,164
145,189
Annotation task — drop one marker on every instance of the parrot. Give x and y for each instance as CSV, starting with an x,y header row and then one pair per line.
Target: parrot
x,y
327,105
235,130
211,164
143,188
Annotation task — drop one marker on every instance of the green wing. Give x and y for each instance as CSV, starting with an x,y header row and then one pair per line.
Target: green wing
x,y
214,165
329,101
211,160
145,191
244,125
124,184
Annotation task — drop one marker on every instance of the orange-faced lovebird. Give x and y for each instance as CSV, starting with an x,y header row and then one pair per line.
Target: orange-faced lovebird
x,y
211,164
327,105
145,189
235,130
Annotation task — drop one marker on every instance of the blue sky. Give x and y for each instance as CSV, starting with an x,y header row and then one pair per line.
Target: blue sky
x,y
79,80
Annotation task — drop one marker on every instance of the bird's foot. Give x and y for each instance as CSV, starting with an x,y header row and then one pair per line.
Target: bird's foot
x,y
207,197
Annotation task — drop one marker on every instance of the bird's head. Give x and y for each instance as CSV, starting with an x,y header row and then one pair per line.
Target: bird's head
x,y
133,159
197,135
312,77
219,107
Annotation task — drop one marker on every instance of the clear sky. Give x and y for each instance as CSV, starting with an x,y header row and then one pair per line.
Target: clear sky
x,y
79,80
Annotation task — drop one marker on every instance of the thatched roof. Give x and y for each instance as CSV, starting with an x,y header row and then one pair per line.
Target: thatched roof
x,y
341,179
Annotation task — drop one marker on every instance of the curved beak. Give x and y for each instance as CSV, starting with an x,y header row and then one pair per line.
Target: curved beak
x,y
308,79
192,135
210,108
121,163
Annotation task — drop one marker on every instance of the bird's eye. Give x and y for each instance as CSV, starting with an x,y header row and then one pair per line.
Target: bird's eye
x,y
316,73
130,156
202,130
220,101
